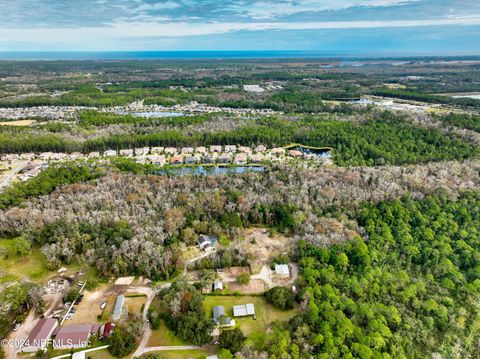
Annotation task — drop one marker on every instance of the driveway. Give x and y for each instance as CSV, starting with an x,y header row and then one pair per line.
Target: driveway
x,y
21,334
158,349
265,275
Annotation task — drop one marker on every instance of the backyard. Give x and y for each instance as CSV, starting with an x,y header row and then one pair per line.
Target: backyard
x,y
265,312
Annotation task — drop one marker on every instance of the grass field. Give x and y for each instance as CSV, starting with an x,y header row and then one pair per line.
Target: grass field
x,y
164,337
33,266
135,303
100,354
265,313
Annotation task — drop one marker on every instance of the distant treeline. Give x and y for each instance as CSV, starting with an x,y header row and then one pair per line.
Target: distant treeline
x,y
386,140
463,120
424,97
93,118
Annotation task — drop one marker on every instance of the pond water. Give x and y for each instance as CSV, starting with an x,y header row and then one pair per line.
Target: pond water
x,y
320,152
153,114
210,170
474,96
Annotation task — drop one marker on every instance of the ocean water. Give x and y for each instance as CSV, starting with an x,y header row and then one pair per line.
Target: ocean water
x,y
166,55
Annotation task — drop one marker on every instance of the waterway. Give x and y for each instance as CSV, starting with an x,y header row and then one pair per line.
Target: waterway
x,y
155,114
210,170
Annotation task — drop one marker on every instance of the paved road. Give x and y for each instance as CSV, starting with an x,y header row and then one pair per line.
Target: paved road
x,y
17,167
164,348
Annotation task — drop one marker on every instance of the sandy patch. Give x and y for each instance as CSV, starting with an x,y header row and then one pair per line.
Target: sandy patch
x,y
17,123
89,309
254,286
262,248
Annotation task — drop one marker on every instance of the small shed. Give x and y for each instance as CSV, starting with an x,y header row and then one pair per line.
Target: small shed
x,y
282,270
217,285
106,330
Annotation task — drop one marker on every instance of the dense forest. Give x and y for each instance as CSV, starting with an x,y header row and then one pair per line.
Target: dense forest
x,y
416,272
382,138
137,223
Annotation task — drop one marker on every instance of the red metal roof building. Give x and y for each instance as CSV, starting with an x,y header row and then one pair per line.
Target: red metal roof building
x,y
40,335
73,336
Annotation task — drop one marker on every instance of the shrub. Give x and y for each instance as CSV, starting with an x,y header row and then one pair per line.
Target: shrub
x,y
281,297
232,340
121,343
243,278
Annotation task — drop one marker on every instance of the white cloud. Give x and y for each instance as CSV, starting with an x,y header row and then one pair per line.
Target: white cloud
x,y
158,6
128,30
269,9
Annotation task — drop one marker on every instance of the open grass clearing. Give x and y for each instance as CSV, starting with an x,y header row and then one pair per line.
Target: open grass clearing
x,y
134,303
33,266
164,337
100,354
265,312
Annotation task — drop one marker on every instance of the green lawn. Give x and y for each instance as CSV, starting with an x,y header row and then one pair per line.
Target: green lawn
x,y
100,354
33,266
265,313
164,337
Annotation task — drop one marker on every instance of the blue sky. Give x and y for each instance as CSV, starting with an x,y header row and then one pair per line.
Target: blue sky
x,y
344,26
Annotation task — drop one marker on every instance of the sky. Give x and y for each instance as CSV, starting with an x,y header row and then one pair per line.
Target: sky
x,y
358,27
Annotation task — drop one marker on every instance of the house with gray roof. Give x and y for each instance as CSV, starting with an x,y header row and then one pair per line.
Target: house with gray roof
x,y
206,242
218,311
220,318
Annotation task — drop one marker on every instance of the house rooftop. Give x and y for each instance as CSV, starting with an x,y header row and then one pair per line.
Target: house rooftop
x,y
73,335
218,311
282,269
